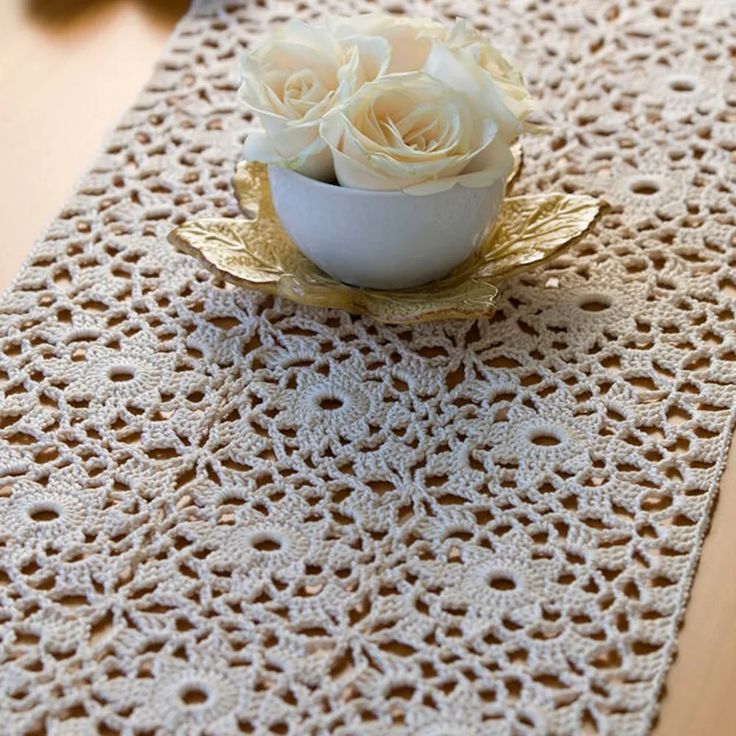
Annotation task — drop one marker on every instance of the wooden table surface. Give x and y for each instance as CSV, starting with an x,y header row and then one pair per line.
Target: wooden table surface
x,y
68,70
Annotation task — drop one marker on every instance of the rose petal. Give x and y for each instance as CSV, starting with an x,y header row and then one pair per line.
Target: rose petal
x,y
507,78
258,147
351,172
492,164
374,57
458,70
410,39
313,160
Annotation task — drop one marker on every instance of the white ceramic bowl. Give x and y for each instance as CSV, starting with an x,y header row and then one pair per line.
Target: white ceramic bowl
x,y
383,240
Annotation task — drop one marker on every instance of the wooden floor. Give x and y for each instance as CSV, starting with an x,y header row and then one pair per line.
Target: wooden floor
x,y
68,70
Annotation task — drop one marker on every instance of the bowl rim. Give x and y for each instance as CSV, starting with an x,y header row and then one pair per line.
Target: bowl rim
x,y
374,193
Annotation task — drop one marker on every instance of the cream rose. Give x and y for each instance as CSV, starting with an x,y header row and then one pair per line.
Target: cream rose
x,y
409,39
416,133
291,81
506,77
385,102
457,67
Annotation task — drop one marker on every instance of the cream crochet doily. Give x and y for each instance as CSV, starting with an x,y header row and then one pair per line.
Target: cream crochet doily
x,y
224,514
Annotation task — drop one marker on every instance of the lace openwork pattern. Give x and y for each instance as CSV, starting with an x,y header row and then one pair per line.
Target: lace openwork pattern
x,y
222,513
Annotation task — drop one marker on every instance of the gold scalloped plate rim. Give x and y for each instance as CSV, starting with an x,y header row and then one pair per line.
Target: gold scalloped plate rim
x,y
257,254
376,304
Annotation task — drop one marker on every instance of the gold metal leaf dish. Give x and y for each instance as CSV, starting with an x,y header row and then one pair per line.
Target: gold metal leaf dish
x,y
258,254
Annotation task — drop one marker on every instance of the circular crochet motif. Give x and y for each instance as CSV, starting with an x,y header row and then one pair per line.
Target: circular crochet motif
x,y
36,513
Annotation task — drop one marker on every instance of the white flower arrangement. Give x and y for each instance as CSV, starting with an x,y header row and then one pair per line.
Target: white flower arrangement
x,y
383,102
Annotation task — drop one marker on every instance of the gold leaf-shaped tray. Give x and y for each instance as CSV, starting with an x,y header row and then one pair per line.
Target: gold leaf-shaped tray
x,y
258,254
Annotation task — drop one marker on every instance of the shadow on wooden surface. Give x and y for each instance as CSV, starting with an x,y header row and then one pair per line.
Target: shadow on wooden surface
x,y
63,12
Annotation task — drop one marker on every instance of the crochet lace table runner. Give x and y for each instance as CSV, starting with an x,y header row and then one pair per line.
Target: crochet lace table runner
x,y
222,513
